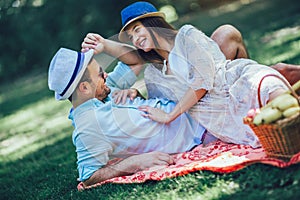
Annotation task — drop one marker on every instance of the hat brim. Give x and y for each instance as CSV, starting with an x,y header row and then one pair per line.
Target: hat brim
x,y
122,35
87,58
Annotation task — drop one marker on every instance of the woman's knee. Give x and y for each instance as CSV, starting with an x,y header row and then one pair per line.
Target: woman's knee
x,y
230,41
228,33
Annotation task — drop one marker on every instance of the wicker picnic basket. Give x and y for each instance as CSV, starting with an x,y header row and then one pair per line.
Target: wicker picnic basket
x,y
280,139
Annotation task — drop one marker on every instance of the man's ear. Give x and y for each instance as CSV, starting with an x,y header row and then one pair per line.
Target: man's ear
x,y
84,87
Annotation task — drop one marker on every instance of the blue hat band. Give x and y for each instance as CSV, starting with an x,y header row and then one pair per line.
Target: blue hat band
x,y
80,57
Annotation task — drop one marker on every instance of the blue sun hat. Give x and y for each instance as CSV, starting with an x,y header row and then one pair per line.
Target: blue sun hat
x,y
65,71
137,11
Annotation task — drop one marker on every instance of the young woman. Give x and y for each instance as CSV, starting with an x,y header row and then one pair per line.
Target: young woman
x,y
195,73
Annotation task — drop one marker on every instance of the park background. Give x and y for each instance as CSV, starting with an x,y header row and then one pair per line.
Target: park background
x,y
37,158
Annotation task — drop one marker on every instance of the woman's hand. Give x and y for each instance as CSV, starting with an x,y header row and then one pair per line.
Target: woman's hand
x,y
93,41
120,96
190,98
155,114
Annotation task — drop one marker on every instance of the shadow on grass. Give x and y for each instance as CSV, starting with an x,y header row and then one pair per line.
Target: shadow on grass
x,y
50,173
23,92
254,182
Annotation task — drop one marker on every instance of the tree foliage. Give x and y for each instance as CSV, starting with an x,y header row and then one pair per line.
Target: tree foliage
x,y
33,30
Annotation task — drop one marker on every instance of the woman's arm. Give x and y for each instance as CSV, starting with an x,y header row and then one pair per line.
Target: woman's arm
x,y
190,98
124,52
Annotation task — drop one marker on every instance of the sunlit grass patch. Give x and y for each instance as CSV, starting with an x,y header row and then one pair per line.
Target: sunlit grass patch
x,y
18,94
229,7
197,186
281,36
23,87
39,124
276,46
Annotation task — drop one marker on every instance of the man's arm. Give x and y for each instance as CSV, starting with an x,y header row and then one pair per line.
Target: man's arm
x,y
129,166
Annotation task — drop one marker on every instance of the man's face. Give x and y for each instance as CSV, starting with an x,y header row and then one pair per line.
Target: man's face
x,y
98,77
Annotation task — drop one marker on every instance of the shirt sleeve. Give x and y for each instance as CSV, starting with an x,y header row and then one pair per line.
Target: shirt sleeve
x,y
122,77
91,146
200,60
89,164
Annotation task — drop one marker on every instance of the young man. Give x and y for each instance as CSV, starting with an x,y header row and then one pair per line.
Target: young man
x,y
105,130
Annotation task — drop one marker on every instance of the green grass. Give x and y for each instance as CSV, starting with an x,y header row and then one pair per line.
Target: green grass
x,y
38,160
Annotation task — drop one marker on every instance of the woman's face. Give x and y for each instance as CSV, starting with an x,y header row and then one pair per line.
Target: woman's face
x,y
140,36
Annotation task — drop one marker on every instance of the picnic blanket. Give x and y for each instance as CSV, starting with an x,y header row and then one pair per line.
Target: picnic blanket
x,y
217,156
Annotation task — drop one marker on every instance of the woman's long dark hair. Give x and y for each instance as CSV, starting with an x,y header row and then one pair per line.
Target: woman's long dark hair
x,y
164,30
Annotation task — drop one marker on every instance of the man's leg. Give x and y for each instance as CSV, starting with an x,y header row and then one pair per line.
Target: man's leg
x,y
231,43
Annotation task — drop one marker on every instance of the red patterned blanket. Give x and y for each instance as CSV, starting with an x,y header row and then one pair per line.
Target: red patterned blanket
x,y
217,157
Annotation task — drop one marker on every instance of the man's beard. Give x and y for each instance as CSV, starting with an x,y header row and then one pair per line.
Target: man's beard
x,y
104,94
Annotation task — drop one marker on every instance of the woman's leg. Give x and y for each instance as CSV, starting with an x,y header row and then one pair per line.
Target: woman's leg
x,y
231,43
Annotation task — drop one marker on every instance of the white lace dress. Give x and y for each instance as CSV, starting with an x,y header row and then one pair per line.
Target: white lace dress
x,y
197,62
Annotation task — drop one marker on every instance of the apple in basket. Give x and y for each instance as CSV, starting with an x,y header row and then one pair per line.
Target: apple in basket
x,y
252,113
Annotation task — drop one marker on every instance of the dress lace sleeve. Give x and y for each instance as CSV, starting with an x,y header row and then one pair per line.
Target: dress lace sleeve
x,y
199,55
